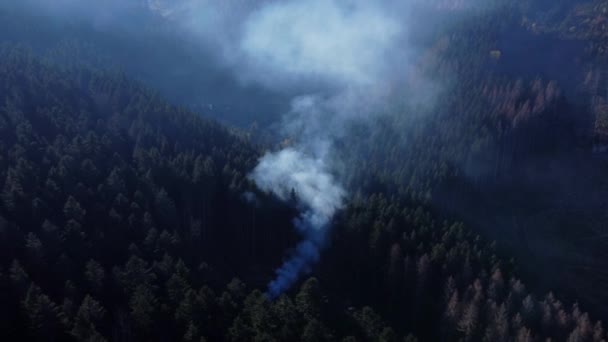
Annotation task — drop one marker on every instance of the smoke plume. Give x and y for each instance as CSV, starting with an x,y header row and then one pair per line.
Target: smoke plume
x,y
343,51
290,174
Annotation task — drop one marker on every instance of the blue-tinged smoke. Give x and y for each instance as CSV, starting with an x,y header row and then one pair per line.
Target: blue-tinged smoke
x,y
306,253
289,173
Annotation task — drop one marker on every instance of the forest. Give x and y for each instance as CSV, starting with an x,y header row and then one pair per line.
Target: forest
x,y
458,189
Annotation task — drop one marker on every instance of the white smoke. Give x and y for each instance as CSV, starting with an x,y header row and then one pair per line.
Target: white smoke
x,y
290,172
335,42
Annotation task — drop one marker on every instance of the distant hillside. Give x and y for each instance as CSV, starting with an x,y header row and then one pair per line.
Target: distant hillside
x,y
154,53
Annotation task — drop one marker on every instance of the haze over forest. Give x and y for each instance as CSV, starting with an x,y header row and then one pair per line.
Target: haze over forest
x,y
315,170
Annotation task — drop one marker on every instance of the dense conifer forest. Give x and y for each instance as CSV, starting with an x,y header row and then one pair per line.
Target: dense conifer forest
x,y
128,211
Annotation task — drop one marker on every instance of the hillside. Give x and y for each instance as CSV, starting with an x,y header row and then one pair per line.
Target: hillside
x,y
474,201
123,217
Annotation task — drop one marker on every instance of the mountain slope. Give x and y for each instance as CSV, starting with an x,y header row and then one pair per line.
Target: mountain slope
x,y
97,169
123,217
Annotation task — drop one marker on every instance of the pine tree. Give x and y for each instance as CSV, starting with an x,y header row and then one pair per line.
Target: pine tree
x,y
88,318
45,319
308,300
95,275
73,211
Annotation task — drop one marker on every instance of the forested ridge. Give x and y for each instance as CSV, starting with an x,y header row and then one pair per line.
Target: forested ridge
x,y
125,217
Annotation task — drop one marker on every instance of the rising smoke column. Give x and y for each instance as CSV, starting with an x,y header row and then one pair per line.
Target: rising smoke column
x,y
341,48
290,171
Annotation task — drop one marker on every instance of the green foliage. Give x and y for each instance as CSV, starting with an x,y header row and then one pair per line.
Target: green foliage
x,y
90,316
122,200
128,212
45,318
